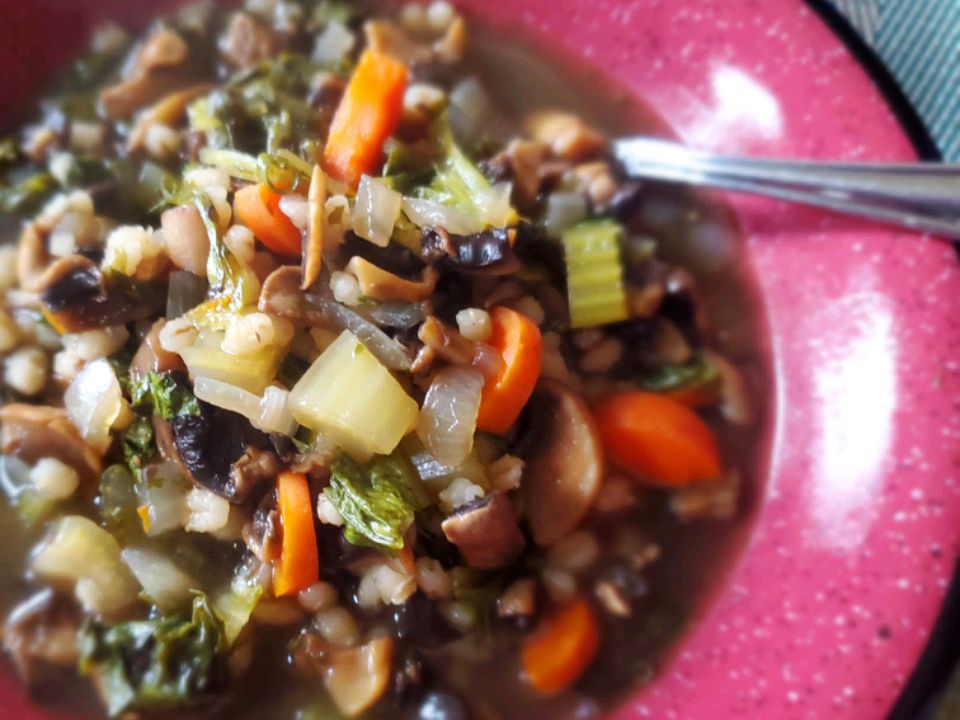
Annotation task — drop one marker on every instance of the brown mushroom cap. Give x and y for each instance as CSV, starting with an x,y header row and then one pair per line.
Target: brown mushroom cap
x,y
33,432
486,532
564,462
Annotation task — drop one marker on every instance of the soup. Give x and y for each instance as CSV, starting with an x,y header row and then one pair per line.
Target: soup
x,y
345,376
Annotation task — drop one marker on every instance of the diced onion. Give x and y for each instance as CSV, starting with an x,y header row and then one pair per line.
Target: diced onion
x,y
402,315
297,209
275,415
228,397
93,401
163,582
184,293
376,210
428,468
448,419
387,350
333,44
564,210
427,213
165,497
470,109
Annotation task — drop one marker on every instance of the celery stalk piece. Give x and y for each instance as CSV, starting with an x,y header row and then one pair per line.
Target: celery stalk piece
x,y
595,273
350,397
252,372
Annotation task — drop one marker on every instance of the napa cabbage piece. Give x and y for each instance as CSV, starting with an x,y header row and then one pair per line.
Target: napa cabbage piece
x,y
235,602
377,500
166,663
595,286
446,189
350,397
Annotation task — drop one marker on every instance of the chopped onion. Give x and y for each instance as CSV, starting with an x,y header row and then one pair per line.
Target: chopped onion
x,y
427,213
387,350
376,210
296,208
470,109
228,397
448,418
401,315
564,210
163,582
428,468
333,44
185,292
275,415
165,497
93,401
488,360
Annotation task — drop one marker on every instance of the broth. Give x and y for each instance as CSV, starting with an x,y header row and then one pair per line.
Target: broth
x,y
693,230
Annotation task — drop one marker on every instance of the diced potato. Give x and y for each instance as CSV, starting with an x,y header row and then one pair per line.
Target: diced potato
x,y
252,372
79,552
349,396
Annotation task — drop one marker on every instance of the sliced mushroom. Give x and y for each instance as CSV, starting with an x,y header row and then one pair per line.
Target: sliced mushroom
x,y
447,343
186,240
387,37
522,162
735,401
282,294
33,432
247,41
378,284
41,632
564,462
168,111
357,677
78,297
224,452
313,255
32,257
519,600
155,71
568,136
151,357
484,253
486,532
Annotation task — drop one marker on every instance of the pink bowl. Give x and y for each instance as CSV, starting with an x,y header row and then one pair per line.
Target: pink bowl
x,y
829,605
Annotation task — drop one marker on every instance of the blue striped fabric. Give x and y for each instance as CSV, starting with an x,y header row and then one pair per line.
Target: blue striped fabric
x,y
919,40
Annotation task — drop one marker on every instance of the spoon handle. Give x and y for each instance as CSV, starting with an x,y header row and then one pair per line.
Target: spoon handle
x,y
920,196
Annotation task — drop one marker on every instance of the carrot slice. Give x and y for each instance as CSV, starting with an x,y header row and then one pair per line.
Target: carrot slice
x,y
518,340
258,207
561,648
367,115
299,565
657,438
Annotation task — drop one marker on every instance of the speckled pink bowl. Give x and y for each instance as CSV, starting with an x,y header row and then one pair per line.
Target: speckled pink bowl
x,y
830,603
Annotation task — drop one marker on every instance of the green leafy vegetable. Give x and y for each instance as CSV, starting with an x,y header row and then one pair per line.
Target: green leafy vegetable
x,y
170,399
698,373
139,449
377,501
155,665
236,602
22,195
118,503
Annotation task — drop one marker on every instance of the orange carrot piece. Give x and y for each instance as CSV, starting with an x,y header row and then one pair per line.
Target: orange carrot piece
x,y
517,338
657,438
258,207
367,115
299,564
561,648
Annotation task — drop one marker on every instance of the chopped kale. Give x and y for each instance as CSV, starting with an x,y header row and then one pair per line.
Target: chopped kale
x,y
170,397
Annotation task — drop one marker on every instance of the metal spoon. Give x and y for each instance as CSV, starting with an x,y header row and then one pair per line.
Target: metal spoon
x,y
920,196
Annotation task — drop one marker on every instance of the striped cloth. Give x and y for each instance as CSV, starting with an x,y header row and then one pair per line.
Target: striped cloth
x,y
919,41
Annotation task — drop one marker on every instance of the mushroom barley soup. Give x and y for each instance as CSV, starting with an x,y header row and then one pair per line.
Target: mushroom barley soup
x,y
344,375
